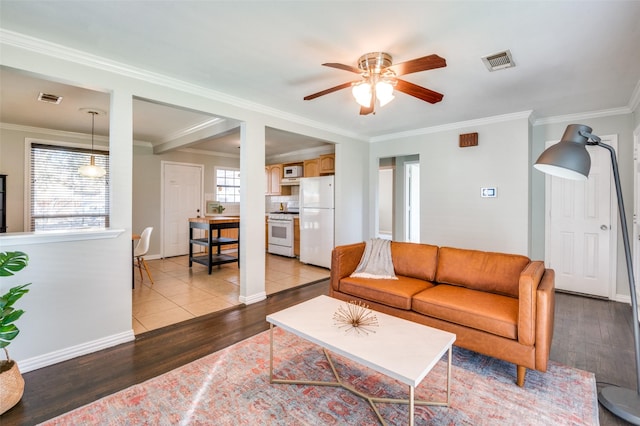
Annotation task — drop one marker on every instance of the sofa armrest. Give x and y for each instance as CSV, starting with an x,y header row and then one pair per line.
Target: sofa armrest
x,y
529,281
545,318
345,260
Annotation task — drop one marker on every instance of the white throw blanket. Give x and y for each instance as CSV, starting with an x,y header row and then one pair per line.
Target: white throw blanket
x,y
376,261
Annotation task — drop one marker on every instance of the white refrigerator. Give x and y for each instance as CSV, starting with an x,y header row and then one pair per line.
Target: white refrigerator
x,y
316,220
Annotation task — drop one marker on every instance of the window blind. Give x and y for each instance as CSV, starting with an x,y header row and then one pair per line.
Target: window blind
x,y
62,199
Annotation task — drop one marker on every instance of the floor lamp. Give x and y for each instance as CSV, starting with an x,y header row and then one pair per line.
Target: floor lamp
x,y
569,159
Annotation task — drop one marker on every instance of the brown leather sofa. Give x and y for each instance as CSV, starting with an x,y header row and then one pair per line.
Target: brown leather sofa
x,y
497,304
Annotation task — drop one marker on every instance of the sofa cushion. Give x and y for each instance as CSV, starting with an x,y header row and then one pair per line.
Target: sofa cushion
x,y
414,260
480,270
488,312
395,293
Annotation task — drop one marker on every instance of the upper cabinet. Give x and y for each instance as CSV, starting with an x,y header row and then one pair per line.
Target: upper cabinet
x,y
274,177
311,167
323,165
327,164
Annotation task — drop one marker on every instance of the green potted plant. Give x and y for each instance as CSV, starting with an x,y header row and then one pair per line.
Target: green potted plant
x,y
11,381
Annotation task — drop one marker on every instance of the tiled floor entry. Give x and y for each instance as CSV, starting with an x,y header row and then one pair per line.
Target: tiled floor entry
x,y
181,293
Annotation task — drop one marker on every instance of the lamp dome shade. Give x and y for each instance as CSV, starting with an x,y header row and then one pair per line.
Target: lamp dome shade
x,y
568,158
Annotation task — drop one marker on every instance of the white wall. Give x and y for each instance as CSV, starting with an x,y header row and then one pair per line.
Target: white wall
x,y
452,211
90,280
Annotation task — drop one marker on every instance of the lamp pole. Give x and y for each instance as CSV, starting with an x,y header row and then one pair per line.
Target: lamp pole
x,y
569,159
623,402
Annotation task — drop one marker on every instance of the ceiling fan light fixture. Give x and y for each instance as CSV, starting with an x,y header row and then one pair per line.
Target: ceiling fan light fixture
x,y
384,92
362,93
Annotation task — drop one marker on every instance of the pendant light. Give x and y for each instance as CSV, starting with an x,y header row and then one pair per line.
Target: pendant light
x,y
91,169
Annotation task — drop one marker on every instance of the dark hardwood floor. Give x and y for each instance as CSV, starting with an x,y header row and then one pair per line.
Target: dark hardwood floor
x,y
590,334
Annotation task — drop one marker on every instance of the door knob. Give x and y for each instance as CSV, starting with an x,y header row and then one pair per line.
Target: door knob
x,y
604,227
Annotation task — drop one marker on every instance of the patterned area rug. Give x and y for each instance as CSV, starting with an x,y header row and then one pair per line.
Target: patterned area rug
x,y
231,387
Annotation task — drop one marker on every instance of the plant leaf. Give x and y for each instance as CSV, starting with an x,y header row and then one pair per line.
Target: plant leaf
x,y
12,262
11,317
9,298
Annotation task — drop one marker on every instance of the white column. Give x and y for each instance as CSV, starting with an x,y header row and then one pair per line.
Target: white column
x,y
121,186
252,212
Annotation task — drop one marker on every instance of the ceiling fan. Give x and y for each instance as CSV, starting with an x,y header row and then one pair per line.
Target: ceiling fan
x,y
379,77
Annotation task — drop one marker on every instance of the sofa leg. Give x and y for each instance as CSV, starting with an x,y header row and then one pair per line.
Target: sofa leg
x,y
522,372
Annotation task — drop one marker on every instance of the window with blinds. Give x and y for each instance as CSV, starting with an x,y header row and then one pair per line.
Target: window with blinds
x,y
61,198
228,185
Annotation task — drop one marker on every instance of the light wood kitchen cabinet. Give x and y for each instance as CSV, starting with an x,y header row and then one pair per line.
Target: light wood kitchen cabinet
x,y
327,164
274,177
296,237
312,167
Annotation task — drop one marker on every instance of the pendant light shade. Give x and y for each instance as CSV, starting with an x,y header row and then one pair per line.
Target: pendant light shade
x,y
92,170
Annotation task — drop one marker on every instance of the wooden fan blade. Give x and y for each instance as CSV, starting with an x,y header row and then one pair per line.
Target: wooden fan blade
x,y
343,67
418,91
327,91
420,64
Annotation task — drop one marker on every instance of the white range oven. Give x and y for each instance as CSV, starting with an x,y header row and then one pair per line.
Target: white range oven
x,y
280,225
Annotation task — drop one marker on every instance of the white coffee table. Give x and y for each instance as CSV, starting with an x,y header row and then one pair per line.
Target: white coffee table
x,y
401,349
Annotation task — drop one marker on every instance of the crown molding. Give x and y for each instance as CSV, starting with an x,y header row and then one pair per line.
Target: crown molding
x,y
210,153
51,132
634,102
44,47
583,116
453,126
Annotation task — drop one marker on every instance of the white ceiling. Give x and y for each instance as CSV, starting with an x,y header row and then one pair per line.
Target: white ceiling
x,y
571,57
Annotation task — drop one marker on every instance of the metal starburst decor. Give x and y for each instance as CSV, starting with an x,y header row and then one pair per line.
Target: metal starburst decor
x,y
355,316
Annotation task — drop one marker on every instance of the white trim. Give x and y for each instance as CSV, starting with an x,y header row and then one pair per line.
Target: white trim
x,y
634,102
254,298
452,126
57,133
46,237
583,116
57,51
55,357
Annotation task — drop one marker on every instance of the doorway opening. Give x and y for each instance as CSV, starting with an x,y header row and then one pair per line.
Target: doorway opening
x,y
398,212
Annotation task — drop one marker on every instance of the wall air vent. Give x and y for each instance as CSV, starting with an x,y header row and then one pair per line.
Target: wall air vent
x,y
49,98
499,61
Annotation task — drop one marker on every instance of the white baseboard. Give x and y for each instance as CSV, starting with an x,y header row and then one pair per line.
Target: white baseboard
x,y
55,357
258,297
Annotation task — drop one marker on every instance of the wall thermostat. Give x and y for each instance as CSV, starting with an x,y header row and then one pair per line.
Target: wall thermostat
x,y
488,192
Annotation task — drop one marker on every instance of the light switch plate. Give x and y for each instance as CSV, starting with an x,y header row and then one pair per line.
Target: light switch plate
x,y
488,192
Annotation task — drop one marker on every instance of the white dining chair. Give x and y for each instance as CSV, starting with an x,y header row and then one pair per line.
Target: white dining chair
x,y
141,250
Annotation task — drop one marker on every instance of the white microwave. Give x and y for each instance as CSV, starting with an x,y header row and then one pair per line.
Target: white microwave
x,y
292,171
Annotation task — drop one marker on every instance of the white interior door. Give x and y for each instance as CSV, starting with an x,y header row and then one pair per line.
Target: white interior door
x,y
581,228
182,199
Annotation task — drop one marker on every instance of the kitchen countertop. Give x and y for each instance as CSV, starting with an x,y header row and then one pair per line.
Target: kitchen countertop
x,y
213,219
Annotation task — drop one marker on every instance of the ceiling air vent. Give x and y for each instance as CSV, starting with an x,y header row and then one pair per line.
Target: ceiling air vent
x,y
52,99
498,61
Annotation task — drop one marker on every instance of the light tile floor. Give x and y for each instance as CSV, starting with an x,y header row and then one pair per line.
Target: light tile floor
x,y
181,293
